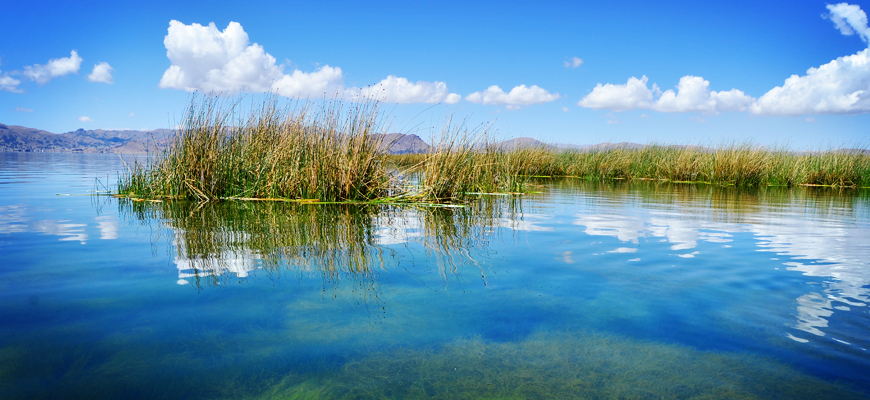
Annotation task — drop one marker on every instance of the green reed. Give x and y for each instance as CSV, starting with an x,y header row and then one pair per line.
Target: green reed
x,y
330,152
734,164
305,151
326,153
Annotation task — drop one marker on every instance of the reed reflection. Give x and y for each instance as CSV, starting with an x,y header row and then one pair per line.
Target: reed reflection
x,y
221,243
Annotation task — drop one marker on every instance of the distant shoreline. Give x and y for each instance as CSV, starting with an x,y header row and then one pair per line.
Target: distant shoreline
x,y
20,139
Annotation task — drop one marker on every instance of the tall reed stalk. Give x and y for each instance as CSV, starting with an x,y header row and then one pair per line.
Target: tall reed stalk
x,y
326,153
330,152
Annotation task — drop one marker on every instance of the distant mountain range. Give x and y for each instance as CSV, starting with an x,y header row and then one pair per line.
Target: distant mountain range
x,y
22,139
15,138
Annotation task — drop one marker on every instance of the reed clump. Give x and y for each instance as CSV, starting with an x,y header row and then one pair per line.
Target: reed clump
x,y
295,152
735,164
333,153
493,168
464,162
309,153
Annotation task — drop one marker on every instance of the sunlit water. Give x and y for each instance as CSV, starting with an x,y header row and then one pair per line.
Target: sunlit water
x,y
583,290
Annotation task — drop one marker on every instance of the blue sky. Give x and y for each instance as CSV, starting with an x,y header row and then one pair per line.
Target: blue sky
x,y
572,72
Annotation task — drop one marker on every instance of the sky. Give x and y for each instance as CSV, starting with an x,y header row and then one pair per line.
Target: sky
x,y
786,74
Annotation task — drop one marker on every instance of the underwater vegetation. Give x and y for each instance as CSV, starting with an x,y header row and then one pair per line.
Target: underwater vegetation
x,y
563,365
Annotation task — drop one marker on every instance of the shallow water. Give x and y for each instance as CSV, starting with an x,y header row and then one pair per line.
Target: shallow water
x,y
584,290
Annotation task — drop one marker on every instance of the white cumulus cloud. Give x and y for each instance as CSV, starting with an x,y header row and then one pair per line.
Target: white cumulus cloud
x,y
521,95
849,19
841,86
85,119
574,62
56,67
204,58
326,81
207,59
632,95
693,94
394,89
23,109
9,83
102,72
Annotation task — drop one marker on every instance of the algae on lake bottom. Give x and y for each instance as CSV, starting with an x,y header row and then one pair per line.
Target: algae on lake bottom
x,y
557,365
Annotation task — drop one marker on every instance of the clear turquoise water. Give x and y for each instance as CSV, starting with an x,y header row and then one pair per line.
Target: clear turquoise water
x,y
583,290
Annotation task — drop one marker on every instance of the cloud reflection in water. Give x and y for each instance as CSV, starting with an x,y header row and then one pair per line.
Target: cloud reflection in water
x,y
820,238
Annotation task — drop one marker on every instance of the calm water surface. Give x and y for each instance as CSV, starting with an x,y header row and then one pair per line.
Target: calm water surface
x,y
581,291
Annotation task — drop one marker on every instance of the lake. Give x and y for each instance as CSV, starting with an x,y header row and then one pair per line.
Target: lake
x,y
583,290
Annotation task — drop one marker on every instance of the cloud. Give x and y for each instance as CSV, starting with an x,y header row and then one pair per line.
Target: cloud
x,y
325,81
521,95
849,19
131,115
22,109
85,119
56,67
633,95
102,73
452,98
841,86
693,94
9,83
574,62
207,59
394,89
204,58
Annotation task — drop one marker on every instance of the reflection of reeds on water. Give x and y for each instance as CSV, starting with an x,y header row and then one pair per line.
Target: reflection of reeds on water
x,y
336,242
721,203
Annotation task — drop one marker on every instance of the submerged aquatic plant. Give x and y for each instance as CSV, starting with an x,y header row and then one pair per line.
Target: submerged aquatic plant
x,y
557,365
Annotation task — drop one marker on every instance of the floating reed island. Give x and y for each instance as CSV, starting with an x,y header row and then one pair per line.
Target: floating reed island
x,y
333,152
